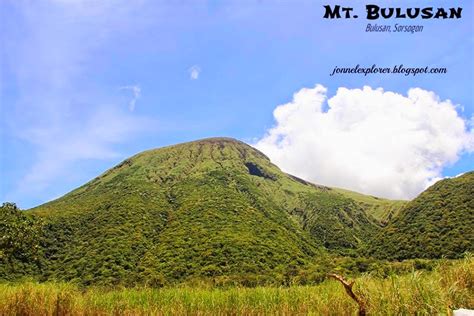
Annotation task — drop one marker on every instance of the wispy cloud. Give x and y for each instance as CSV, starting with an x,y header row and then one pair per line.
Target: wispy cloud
x,y
136,90
92,139
63,118
194,72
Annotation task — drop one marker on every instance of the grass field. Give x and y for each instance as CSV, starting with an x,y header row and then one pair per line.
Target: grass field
x,y
449,286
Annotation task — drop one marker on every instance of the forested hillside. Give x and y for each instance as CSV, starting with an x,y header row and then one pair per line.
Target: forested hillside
x,y
438,223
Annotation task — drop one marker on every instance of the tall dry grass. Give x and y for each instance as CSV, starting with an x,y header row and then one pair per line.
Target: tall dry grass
x,y
423,293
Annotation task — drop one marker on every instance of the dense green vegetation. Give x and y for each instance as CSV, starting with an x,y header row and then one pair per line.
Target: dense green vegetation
x,y
382,210
449,286
437,223
21,250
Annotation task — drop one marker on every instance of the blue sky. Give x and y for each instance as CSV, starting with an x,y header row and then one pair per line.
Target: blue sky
x,y
85,84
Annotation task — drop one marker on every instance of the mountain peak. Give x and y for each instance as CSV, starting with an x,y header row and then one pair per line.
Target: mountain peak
x,y
213,148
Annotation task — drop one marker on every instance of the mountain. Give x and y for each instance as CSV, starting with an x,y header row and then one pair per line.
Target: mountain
x,y
438,223
218,209
215,208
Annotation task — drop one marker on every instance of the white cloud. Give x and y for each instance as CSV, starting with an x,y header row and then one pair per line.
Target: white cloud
x,y
136,90
368,140
194,72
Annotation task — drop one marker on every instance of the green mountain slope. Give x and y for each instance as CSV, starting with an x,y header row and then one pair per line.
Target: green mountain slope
x,y
211,208
439,222
382,210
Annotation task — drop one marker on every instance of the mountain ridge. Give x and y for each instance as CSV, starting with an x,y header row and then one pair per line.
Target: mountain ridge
x,y
374,203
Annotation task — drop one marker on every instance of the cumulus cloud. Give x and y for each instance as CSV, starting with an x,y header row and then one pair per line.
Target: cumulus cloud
x,y
136,90
368,140
194,72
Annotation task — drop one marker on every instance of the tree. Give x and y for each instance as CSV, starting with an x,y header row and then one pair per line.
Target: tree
x,y
20,242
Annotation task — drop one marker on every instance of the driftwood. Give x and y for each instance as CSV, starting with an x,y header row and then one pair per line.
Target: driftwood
x,y
348,287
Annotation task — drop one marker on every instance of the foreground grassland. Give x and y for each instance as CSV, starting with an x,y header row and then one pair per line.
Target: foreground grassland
x,y
448,286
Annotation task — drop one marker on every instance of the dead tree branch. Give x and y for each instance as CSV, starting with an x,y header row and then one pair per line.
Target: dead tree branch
x,y
348,287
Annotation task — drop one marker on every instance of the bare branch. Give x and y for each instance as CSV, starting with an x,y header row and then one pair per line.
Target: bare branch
x,y
348,287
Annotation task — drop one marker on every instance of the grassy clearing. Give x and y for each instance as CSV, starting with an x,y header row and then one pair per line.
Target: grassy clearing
x,y
426,293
